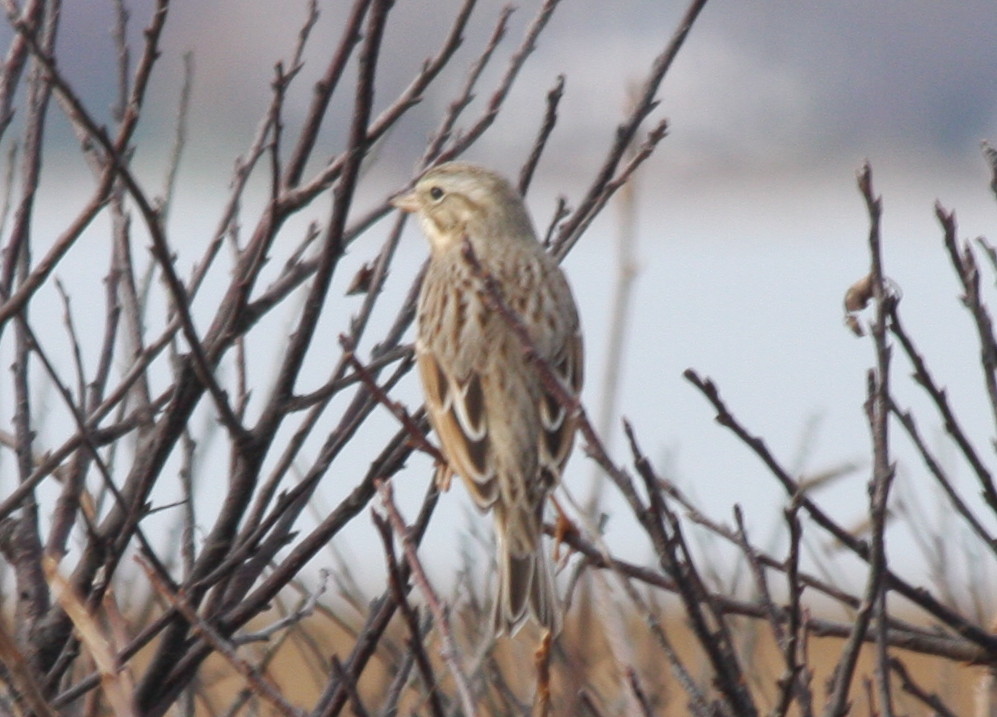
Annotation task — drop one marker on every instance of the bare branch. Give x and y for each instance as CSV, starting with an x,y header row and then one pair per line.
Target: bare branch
x,y
449,652
260,684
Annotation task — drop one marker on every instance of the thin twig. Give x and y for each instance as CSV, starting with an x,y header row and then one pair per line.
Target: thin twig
x,y
398,411
441,617
911,687
964,262
940,399
546,128
918,596
603,185
259,682
619,317
399,589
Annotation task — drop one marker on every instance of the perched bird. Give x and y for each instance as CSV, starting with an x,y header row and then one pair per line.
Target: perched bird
x,y
502,430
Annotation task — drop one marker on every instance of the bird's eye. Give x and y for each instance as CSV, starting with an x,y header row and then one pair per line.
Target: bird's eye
x,y
436,193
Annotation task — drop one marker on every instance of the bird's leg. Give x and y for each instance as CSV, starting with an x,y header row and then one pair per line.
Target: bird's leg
x,y
563,526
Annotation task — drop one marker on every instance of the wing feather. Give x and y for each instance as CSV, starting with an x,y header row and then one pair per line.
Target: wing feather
x,y
456,410
558,426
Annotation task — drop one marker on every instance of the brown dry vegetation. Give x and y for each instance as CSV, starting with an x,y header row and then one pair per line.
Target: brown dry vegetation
x,y
300,665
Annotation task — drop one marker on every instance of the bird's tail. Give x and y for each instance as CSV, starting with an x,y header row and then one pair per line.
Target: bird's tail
x,y
525,585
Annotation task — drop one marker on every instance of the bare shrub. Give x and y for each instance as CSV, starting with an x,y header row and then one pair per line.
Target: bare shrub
x,y
157,482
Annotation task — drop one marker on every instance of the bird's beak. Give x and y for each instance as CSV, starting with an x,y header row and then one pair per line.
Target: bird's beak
x,y
408,202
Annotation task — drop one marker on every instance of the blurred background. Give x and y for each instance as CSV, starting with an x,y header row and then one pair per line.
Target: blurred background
x,y
749,227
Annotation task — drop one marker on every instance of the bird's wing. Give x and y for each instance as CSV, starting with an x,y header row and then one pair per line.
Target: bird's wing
x,y
557,421
456,408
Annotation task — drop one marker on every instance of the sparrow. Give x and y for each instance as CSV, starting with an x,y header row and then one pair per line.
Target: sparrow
x,y
502,430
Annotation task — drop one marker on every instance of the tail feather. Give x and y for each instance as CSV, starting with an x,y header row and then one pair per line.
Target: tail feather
x,y
525,589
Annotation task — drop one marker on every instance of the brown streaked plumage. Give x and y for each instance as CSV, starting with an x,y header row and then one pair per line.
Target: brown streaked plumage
x,y
501,430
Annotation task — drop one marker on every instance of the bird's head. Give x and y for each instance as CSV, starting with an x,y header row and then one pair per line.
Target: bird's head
x,y
458,199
